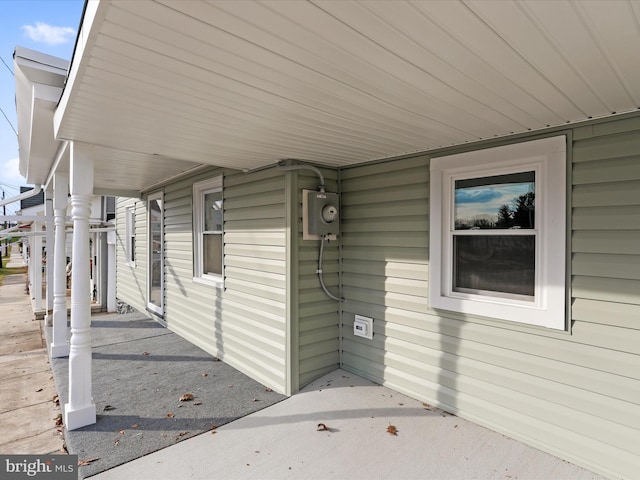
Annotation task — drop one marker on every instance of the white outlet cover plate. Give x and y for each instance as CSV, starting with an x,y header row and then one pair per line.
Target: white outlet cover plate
x,y
363,327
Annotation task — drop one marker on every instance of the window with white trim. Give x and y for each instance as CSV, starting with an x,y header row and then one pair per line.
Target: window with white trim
x,y
208,231
497,235
130,235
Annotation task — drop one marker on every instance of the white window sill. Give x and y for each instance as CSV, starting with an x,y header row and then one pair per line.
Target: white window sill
x,y
216,282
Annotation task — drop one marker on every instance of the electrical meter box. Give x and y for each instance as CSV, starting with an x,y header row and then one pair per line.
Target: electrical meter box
x,y
321,214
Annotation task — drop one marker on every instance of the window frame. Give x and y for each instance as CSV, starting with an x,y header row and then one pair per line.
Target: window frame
x,y
200,189
130,235
157,309
547,158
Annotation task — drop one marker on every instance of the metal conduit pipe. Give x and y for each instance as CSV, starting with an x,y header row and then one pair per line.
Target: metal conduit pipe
x,y
313,168
319,271
281,166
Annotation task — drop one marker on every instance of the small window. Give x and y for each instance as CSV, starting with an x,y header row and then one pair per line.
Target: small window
x,y
208,228
109,208
497,239
130,233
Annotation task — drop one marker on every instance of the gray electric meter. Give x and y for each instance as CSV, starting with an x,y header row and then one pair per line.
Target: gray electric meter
x,y
323,211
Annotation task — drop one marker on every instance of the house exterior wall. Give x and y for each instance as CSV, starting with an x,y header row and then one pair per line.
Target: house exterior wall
x,y
318,315
575,394
244,323
131,282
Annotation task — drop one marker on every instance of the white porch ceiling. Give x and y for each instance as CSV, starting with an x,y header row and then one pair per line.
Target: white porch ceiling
x,y
245,84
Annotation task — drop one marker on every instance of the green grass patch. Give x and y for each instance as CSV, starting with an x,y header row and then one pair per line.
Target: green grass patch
x,y
9,271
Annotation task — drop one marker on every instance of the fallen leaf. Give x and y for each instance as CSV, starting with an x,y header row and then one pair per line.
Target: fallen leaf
x,y
215,359
145,353
108,407
170,415
56,400
197,403
254,400
39,390
182,434
267,389
58,419
392,430
322,427
121,432
116,442
205,374
135,425
88,461
186,397
401,404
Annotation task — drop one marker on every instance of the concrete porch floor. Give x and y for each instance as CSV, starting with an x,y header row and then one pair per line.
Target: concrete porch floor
x,y
283,441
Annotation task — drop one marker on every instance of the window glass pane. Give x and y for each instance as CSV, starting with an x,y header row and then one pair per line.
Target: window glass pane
x,y
497,202
494,263
212,251
213,212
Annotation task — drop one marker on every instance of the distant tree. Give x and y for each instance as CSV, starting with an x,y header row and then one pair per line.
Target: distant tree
x,y
524,211
461,224
482,223
505,217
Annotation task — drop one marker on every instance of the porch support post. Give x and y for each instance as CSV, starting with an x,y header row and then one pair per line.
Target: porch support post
x,y
59,345
81,410
48,211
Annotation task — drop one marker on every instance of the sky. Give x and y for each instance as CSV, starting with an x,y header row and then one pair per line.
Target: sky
x,y
48,26
484,201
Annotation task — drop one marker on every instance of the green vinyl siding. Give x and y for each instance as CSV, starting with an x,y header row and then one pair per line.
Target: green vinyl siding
x,y
242,323
575,394
318,315
131,283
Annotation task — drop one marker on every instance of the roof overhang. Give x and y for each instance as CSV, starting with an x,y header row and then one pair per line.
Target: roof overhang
x,y
162,86
39,82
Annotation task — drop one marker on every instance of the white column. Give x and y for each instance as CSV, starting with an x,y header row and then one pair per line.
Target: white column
x,y
35,265
59,345
81,410
48,211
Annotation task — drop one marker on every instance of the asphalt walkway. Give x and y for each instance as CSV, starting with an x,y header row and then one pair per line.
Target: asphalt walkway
x,y
152,389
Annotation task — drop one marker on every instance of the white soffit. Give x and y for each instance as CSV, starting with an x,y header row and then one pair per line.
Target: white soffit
x,y
243,84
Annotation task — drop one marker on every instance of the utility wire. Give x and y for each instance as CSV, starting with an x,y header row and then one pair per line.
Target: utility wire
x,y
4,114
8,68
8,121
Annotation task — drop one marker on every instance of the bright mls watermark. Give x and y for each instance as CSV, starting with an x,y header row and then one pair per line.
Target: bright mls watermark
x,y
45,467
